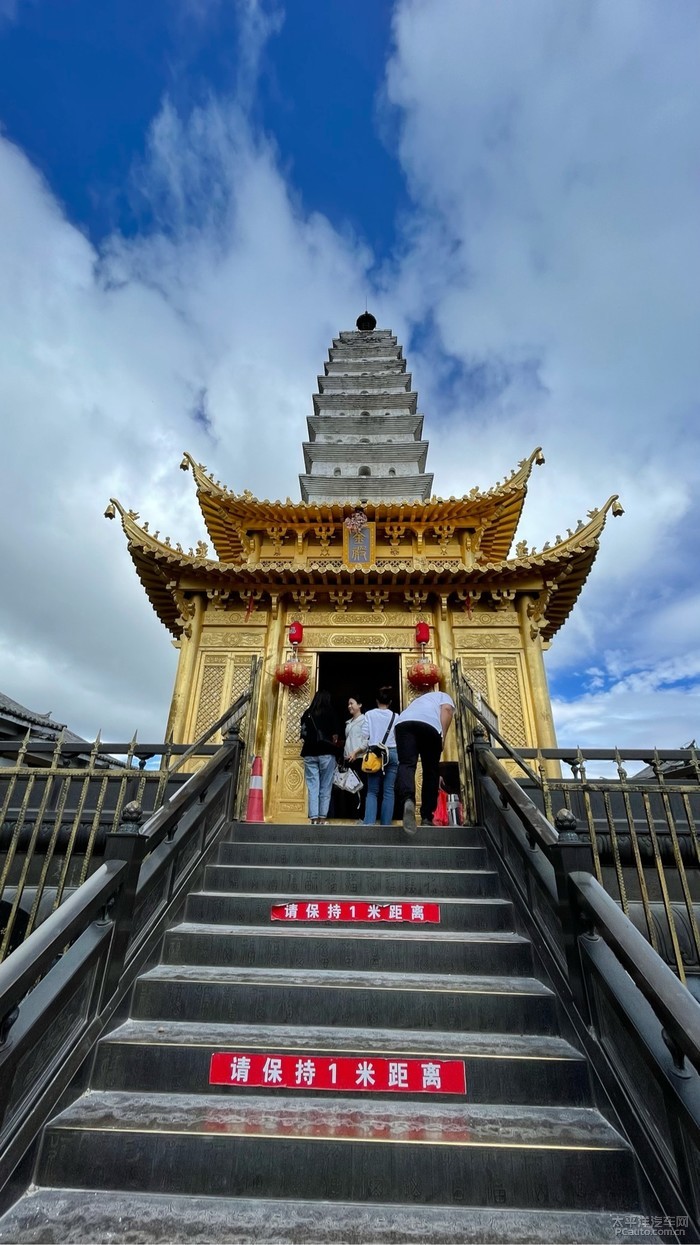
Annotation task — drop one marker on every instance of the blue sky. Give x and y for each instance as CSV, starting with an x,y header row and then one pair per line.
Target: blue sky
x,y
80,84
196,195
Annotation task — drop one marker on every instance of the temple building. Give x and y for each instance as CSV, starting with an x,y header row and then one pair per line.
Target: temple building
x,y
366,554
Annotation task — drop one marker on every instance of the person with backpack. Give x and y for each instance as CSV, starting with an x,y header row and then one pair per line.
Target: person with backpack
x,y
381,783
320,738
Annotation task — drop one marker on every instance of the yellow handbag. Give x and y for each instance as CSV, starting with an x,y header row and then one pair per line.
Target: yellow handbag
x,y
374,760
377,755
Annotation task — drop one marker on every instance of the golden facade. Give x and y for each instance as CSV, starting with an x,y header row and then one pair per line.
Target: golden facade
x,y
445,561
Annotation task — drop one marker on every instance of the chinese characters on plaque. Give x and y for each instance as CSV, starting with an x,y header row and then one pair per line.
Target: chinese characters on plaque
x,y
364,1074
359,546
356,910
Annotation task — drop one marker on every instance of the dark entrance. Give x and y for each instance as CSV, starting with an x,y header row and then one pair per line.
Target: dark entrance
x,y
358,675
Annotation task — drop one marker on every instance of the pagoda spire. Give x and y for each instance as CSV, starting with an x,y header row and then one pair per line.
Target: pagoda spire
x,y
365,435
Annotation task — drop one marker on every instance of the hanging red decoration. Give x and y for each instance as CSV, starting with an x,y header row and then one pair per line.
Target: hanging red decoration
x,y
422,675
292,674
296,634
422,633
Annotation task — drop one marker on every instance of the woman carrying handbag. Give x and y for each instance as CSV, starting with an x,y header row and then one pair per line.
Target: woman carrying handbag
x,y
356,740
381,782
320,742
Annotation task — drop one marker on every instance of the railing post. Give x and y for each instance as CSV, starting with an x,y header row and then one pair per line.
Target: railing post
x,y
128,845
232,740
480,743
569,855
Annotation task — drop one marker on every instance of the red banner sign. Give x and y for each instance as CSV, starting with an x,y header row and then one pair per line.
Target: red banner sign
x,y
366,1074
343,910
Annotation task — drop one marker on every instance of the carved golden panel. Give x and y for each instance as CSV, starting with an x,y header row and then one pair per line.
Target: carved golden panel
x,y
210,693
297,701
486,640
294,777
221,637
510,708
351,618
485,618
362,639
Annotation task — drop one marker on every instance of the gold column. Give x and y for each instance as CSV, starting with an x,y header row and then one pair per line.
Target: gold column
x,y
267,731
183,690
442,622
537,683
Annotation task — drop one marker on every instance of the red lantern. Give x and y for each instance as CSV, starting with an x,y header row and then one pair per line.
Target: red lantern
x,y
422,633
296,634
292,674
423,675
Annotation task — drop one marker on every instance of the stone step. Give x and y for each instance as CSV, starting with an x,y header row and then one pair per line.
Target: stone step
x,y
88,1217
413,883
351,856
141,1056
249,909
344,832
291,996
564,1158
406,950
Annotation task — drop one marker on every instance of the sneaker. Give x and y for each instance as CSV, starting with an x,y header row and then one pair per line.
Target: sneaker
x,y
426,821
409,817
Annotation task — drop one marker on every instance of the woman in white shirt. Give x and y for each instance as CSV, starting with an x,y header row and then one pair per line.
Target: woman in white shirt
x,y
379,721
420,732
356,735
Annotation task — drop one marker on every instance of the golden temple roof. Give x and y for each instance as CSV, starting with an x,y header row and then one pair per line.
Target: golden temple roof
x,y
493,515
558,572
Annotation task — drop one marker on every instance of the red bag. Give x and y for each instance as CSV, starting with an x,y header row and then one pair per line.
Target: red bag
x,y
440,817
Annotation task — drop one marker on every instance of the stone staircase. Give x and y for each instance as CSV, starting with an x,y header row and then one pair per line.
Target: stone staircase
x,y
153,1152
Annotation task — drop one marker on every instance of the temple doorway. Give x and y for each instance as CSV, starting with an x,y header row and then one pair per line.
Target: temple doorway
x,y
359,675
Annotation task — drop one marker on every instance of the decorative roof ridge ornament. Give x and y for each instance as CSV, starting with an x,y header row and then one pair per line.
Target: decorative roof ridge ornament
x,y
205,483
138,534
584,534
520,476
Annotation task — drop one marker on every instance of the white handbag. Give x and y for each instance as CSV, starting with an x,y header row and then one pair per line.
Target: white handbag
x,y
347,780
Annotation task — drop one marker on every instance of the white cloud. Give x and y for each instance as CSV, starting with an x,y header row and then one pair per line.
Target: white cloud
x,y
552,149
551,252
104,359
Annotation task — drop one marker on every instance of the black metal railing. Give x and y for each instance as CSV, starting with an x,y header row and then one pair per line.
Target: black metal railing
x,y
59,805
644,835
638,1024
61,986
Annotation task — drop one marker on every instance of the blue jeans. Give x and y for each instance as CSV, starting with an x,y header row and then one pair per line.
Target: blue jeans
x,y
318,772
386,783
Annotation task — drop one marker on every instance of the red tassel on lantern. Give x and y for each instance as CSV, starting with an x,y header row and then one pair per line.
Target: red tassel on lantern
x,y
292,674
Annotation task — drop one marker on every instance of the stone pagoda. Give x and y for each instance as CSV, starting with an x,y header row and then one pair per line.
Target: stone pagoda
x,y
365,555
365,436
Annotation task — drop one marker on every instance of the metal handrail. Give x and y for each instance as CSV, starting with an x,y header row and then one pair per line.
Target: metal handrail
x,y
532,819
19,971
673,1004
196,784
225,717
459,681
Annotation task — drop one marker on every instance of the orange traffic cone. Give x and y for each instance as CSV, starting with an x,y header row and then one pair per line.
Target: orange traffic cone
x,y
254,811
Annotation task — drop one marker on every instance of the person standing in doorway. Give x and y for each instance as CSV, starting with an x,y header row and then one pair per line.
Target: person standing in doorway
x,y
356,740
356,737
380,723
320,741
420,732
